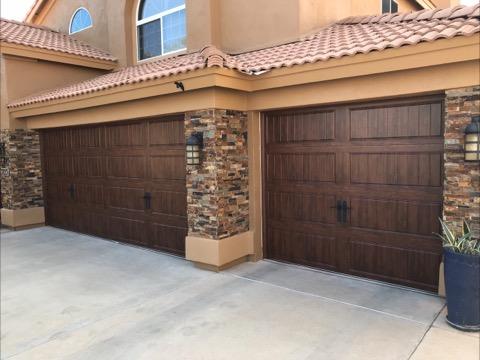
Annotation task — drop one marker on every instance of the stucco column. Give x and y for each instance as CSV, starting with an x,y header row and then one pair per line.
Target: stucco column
x,y
461,189
217,189
21,179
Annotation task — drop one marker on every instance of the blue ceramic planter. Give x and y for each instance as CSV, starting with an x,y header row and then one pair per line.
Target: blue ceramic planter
x,y
462,285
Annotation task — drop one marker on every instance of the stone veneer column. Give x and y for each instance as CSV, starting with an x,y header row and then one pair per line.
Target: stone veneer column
x,y
462,179
21,179
217,190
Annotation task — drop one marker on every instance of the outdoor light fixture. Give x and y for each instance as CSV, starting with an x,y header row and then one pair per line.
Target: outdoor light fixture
x,y
472,140
194,145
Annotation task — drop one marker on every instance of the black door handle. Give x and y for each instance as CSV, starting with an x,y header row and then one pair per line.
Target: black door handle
x,y
147,198
71,191
339,210
345,209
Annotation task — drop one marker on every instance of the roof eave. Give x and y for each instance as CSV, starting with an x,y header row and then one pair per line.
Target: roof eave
x,y
39,7
441,52
426,4
56,56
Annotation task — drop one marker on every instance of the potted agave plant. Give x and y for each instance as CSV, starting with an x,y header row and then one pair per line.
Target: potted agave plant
x,y
462,277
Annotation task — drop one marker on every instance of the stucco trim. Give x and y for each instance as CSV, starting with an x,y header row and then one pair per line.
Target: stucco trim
x,y
218,252
38,11
23,217
55,56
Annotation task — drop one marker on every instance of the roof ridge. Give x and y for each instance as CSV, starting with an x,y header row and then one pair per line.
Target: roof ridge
x,y
459,11
34,26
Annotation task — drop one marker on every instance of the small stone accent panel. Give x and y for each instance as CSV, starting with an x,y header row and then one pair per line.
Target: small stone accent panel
x,y
462,178
217,189
21,176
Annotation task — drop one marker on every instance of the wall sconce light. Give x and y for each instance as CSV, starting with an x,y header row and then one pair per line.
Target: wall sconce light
x,y
472,140
194,145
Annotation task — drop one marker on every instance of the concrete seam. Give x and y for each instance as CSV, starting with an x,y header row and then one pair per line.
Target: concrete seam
x,y
329,299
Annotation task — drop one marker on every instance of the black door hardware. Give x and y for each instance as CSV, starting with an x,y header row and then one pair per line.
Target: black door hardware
x,y
345,209
147,198
339,210
71,191
342,211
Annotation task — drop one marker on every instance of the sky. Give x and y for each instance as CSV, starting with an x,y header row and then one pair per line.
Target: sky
x,y
17,9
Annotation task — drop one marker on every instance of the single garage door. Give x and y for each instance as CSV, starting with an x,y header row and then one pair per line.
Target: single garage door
x,y
357,189
124,181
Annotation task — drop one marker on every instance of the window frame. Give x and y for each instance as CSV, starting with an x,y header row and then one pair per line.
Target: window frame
x,y
73,17
389,7
152,18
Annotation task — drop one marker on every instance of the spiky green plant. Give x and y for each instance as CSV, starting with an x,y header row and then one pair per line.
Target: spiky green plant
x,y
460,243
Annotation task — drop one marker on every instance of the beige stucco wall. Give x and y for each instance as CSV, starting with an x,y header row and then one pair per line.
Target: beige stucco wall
x,y
233,25
22,76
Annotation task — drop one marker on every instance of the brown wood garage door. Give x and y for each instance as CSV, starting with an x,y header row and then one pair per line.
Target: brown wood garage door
x,y
124,181
381,161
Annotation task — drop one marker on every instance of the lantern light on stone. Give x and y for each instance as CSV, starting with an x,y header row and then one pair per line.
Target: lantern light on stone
x,y
472,140
194,146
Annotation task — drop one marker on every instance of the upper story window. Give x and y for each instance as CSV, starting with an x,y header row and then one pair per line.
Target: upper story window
x,y
161,27
81,20
389,6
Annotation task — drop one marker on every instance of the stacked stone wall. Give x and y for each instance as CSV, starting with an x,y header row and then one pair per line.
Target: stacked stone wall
x,y
462,178
217,200
21,175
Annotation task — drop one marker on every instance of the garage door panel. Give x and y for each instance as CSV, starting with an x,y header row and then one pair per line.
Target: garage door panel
x,y
299,206
167,167
395,215
302,247
126,135
57,140
91,195
88,138
415,169
60,215
128,230
396,121
126,199
90,222
312,126
395,264
126,167
301,167
166,132
168,238
92,166
169,202
57,190
383,162
59,166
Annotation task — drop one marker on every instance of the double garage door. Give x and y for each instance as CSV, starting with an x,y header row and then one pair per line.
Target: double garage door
x,y
124,181
357,189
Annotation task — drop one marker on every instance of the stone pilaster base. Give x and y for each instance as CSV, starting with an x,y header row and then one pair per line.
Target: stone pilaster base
x,y
21,178
219,254
217,189
23,218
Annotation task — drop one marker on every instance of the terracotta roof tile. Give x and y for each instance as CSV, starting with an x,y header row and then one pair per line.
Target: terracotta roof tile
x,y
14,32
348,37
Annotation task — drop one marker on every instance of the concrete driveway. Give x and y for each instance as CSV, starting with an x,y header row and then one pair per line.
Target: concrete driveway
x,y
70,296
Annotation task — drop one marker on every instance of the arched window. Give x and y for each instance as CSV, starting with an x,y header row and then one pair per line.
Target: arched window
x,y
161,27
81,20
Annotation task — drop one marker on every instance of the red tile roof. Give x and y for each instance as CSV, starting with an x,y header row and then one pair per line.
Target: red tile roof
x,y
348,37
14,32
365,34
